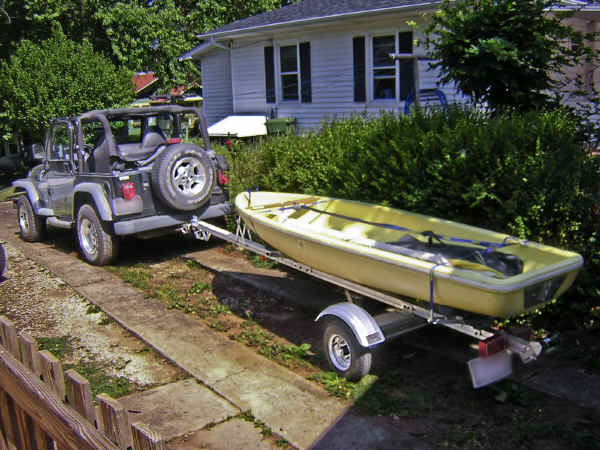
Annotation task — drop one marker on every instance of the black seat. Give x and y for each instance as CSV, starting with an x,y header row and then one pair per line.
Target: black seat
x,y
152,139
99,161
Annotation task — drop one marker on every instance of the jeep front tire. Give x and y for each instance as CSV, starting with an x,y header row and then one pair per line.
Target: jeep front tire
x,y
99,245
32,227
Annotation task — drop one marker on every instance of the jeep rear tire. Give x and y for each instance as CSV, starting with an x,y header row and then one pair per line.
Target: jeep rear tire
x,y
99,245
32,227
183,177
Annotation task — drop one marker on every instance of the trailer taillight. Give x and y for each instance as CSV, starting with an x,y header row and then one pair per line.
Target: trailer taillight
x,y
492,345
222,178
128,190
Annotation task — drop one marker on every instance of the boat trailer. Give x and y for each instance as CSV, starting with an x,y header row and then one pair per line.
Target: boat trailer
x,y
350,332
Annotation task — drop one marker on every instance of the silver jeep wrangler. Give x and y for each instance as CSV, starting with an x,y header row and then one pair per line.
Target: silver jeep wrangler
x,y
120,172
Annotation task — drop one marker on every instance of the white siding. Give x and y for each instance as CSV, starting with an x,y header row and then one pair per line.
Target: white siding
x,y
332,76
332,82
216,86
248,77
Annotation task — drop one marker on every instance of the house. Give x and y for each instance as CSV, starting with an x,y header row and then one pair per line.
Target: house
x,y
319,59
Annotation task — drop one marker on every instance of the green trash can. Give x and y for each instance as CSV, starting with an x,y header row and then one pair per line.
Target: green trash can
x,y
281,125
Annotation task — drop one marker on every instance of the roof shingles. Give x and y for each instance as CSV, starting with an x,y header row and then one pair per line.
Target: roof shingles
x,y
314,9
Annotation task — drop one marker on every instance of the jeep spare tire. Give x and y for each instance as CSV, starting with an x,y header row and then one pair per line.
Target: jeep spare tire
x,y
183,177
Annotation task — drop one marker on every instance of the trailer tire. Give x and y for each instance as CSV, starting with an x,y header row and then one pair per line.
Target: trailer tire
x,y
344,354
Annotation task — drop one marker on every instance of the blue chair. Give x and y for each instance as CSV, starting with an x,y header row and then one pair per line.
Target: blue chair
x,y
426,96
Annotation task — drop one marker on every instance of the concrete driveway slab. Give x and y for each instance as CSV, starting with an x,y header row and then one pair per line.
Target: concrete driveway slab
x,y
236,434
178,408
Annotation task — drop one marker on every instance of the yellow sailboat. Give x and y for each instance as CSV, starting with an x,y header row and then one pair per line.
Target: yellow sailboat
x,y
400,252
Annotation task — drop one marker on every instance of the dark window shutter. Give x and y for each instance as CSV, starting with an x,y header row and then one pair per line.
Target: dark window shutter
x,y
405,42
407,77
270,74
407,66
360,85
305,80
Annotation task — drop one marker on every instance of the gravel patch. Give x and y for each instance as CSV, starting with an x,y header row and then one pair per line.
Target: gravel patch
x,y
42,305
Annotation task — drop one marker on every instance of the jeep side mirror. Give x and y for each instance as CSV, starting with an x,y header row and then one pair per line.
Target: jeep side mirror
x,y
38,151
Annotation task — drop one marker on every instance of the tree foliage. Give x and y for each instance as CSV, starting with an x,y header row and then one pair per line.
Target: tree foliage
x,y
57,78
150,38
205,15
34,20
142,35
506,53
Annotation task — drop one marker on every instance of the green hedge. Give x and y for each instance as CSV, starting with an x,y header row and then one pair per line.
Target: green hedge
x,y
524,174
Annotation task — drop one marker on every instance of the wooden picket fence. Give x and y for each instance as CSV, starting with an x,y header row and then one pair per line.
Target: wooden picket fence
x,y
33,412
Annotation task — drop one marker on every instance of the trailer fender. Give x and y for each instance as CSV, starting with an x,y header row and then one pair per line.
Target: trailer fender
x,y
30,191
365,329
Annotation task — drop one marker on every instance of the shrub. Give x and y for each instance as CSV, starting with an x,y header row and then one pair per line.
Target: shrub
x,y
57,78
524,174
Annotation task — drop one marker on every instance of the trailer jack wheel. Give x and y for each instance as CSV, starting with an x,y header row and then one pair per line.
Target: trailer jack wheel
x,y
344,354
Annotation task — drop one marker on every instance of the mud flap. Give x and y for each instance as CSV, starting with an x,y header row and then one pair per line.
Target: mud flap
x,y
490,369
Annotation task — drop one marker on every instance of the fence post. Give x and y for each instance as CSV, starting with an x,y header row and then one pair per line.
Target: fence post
x,y
114,420
80,395
145,439
52,373
8,336
29,353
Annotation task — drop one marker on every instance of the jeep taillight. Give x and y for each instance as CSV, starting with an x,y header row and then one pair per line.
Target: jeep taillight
x,y
222,178
128,190
174,141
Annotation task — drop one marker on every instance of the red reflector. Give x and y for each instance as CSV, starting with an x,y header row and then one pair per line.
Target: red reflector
x,y
128,190
222,178
174,141
491,346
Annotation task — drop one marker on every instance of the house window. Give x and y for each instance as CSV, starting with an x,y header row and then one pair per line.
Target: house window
x,y
391,77
294,73
384,68
288,57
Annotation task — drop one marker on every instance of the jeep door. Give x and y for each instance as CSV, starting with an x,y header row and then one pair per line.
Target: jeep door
x,y
60,170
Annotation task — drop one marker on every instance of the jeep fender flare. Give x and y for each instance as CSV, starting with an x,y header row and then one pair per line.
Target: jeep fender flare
x,y
32,194
98,195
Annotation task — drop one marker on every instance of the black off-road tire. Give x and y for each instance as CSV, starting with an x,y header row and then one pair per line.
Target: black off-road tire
x,y
183,177
2,260
99,245
32,227
344,354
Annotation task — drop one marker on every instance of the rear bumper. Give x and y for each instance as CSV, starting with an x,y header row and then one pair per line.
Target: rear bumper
x,y
156,222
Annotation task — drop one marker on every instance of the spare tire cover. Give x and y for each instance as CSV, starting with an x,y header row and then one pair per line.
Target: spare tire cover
x,y
183,177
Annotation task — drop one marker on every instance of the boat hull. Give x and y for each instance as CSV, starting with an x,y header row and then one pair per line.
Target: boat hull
x,y
319,241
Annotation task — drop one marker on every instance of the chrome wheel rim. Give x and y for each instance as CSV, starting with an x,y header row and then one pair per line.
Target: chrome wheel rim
x,y
339,352
89,236
24,220
188,176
